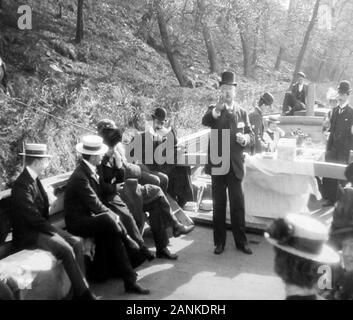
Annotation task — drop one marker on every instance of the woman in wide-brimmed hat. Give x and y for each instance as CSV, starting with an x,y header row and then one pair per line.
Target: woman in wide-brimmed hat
x,y
300,249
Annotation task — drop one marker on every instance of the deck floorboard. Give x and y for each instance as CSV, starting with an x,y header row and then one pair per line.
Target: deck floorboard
x,y
200,274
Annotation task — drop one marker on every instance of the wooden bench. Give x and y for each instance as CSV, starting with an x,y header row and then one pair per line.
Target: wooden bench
x,y
36,274
33,274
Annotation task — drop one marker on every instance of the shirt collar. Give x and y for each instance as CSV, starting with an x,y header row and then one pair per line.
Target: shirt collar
x,y
231,107
90,166
32,173
343,105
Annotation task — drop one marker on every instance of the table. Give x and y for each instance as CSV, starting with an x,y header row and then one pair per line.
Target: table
x,y
274,188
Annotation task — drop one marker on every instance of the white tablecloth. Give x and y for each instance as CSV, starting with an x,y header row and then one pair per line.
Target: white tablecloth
x,y
274,188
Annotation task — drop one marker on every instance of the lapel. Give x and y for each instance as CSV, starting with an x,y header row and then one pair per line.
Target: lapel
x,y
87,171
40,194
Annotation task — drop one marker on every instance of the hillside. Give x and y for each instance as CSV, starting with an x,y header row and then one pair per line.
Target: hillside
x,y
112,73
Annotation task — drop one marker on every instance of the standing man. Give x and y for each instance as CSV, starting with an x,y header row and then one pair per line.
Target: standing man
x,y
340,140
30,220
228,118
257,122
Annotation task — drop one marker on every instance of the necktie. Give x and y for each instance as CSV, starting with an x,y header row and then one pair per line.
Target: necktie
x,y
38,188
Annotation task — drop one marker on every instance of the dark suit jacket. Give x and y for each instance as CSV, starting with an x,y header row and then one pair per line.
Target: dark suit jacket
x,y
148,141
340,140
301,96
29,211
258,127
83,196
229,121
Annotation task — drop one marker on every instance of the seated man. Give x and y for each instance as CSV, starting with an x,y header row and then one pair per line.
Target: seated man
x,y
87,216
174,179
296,99
31,228
151,197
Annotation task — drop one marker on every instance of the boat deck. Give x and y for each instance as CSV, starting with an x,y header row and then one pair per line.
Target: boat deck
x,y
200,274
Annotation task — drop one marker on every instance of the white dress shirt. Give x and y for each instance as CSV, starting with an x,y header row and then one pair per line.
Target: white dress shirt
x,y
92,168
32,173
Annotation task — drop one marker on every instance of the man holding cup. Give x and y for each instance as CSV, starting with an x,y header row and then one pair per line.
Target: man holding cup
x,y
231,132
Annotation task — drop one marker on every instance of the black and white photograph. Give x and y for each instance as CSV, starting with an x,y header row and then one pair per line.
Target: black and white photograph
x,y
176,155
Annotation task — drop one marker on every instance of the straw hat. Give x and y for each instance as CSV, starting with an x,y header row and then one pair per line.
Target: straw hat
x,y
35,150
92,145
302,236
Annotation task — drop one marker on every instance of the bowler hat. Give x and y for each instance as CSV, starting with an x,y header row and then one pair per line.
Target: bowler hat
x,y
267,98
344,87
301,74
302,236
228,78
35,150
159,114
92,145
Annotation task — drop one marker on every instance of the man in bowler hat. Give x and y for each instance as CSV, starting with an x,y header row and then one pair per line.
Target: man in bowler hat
x,y
228,118
340,140
257,122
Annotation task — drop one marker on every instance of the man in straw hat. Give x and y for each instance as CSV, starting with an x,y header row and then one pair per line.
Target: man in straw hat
x,y
300,249
30,220
228,118
340,140
87,216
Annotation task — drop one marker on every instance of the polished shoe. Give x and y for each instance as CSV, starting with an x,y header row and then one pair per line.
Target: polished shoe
x,y
245,248
147,253
87,295
166,254
219,249
136,288
180,229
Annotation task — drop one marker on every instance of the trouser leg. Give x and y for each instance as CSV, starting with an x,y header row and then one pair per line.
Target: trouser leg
x,y
237,210
158,225
64,252
219,199
77,245
103,226
126,217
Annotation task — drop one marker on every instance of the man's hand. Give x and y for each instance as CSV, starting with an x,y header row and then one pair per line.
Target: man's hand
x,y
119,187
241,139
220,104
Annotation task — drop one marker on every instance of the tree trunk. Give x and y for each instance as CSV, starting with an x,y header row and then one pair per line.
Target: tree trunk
x,y
176,66
246,56
207,36
211,50
279,58
79,26
300,58
288,27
